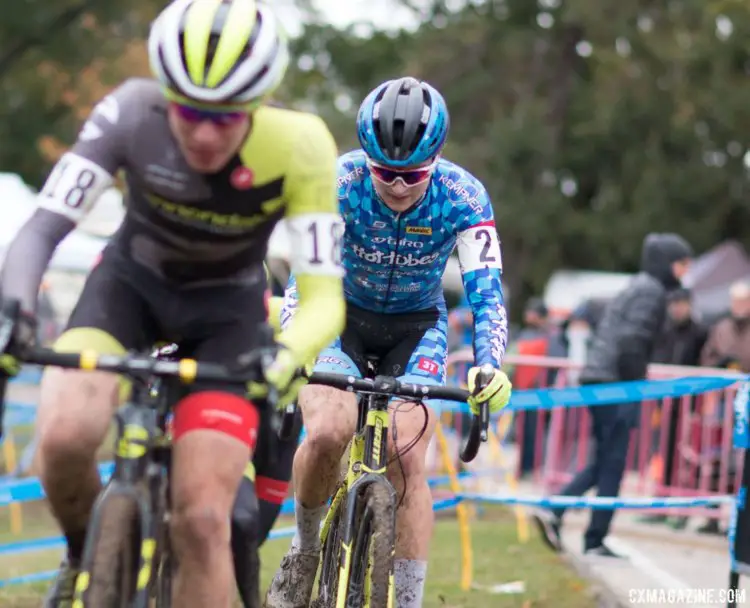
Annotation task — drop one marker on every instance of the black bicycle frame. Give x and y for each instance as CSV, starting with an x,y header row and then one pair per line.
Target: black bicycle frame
x,y
142,460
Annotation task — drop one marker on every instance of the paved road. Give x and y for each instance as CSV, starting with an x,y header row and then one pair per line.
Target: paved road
x,y
663,567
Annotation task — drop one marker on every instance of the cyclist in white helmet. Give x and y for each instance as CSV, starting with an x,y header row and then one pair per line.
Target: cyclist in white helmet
x,y
210,170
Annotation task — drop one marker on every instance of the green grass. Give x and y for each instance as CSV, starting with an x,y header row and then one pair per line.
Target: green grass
x,y
498,558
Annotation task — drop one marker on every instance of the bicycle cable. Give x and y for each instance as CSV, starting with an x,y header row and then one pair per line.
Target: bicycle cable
x,y
410,445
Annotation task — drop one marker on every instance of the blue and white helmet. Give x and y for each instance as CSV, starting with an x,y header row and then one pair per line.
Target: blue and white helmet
x,y
403,122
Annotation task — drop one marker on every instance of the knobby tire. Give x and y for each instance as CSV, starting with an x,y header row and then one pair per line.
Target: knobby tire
x,y
114,557
373,546
329,569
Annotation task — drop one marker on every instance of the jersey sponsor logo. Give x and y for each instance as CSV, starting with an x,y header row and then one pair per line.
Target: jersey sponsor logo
x,y
378,225
332,361
285,317
163,176
350,177
458,188
90,132
208,220
106,108
428,365
391,258
391,287
109,109
378,240
426,230
499,335
212,417
242,178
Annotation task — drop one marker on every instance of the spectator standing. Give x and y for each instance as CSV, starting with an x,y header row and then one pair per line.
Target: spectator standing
x,y
538,337
680,343
620,350
728,343
728,346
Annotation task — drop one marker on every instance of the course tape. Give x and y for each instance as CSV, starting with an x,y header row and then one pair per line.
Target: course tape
x,y
18,414
28,375
604,394
599,502
27,579
574,502
546,398
29,488
51,543
23,407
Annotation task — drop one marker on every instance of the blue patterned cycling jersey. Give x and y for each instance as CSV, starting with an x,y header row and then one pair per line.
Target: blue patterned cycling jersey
x,y
394,262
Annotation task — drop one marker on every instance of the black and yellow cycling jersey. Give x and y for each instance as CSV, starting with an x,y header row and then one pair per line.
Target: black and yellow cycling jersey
x,y
191,230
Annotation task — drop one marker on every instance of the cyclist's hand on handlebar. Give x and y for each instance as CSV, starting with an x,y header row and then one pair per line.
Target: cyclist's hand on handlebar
x,y
280,371
497,392
24,338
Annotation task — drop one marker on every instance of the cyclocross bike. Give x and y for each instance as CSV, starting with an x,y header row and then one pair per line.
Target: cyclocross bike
x,y
359,532
127,559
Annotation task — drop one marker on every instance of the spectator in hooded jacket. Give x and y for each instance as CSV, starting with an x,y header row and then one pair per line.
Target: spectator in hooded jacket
x,y
577,331
621,349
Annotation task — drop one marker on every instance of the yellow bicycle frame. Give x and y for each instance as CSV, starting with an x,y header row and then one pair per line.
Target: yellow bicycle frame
x,y
377,423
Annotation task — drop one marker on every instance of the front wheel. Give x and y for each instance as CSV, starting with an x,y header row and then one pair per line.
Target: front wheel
x,y
371,577
110,563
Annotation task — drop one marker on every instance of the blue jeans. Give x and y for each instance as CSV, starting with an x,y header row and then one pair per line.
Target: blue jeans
x,y
610,432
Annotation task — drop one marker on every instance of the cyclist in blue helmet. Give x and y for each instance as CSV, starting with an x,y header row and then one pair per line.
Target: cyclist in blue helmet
x,y
403,123
405,210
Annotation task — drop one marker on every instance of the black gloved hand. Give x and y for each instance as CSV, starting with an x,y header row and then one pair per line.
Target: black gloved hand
x,y
23,338
17,335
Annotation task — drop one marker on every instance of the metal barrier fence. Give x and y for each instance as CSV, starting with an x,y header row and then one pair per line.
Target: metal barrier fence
x,y
681,447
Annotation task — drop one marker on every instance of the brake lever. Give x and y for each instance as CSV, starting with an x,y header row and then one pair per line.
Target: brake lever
x,y
484,377
9,317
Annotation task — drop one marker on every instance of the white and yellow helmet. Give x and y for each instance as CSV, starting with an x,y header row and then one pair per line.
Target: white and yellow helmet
x,y
230,52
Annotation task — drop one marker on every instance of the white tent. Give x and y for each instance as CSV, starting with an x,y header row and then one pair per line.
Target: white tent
x,y
76,253
566,289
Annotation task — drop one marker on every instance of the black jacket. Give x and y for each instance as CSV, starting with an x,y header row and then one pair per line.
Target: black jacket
x,y
680,344
625,337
